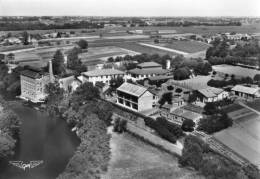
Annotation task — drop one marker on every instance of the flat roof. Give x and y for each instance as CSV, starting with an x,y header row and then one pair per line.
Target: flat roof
x,y
32,74
139,71
103,72
132,89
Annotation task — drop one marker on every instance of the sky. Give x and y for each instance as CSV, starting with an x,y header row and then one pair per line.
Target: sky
x,y
130,7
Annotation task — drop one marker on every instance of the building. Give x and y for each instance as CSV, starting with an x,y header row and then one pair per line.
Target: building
x,y
179,115
69,83
146,70
246,92
212,94
33,84
135,97
103,75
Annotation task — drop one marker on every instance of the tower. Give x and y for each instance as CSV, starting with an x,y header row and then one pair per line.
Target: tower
x,y
51,72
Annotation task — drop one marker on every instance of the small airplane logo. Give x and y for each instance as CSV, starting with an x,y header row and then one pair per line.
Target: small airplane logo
x,y
31,164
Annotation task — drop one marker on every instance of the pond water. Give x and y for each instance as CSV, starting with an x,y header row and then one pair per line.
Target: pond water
x,y
41,138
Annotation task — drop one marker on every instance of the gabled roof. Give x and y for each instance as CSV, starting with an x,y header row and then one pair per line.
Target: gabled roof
x,y
149,64
132,89
147,71
103,72
210,92
245,89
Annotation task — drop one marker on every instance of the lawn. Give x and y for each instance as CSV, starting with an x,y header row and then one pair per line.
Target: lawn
x,y
133,158
186,46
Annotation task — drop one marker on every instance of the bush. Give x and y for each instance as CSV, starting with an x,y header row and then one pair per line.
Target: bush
x,y
188,125
170,88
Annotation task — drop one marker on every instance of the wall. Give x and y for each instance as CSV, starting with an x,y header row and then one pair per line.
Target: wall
x,y
145,102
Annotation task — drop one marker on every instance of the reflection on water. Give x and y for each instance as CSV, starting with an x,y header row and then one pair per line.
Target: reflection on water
x,y
41,138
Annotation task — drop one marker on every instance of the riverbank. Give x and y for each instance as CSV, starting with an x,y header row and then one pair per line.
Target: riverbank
x,y
134,158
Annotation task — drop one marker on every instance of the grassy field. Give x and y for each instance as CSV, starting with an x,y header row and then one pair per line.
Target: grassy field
x,y
144,49
186,46
134,159
236,70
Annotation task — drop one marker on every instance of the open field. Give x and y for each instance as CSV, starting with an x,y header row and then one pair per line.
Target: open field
x,y
105,52
236,70
254,28
243,137
134,159
144,49
186,46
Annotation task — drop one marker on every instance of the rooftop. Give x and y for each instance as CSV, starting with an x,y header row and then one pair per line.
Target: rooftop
x,y
186,114
32,74
103,72
132,89
245,89
210,91
160,77
149,64
157,71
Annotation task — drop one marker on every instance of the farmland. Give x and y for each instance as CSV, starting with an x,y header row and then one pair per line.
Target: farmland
x,y
132,158
186,46
144,49
243,137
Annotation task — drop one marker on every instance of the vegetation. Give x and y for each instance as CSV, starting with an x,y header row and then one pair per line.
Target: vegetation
x,y
119,125
197,154
231,82
9,129
188,125
83,44
214,123
165,129
58,63
116,82
182,73
166,97
74,62
84,110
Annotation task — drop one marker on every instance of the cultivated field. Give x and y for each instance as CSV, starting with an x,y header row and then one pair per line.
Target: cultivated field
x,y
144,49
186,46
243,137
134,159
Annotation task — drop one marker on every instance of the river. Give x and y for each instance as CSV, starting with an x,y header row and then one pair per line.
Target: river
x,y
41,138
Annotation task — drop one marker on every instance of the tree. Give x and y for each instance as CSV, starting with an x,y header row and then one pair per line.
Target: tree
x,y
210,109
166,97
74,62
193,97
188,125
58,63
116,82
181,73
25,38
83,44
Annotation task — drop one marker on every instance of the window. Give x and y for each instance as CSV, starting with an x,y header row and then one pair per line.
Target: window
x,y
135,106
120,100
127,103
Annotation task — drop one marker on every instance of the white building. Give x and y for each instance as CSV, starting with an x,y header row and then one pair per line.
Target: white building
x,y
69,83
103,75
212,94
246,92
146,70
135,97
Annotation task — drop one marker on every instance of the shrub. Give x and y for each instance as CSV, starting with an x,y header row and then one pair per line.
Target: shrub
x,y
188,125
170,88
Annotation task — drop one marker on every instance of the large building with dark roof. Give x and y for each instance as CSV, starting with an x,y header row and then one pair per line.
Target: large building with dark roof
x,y
33,84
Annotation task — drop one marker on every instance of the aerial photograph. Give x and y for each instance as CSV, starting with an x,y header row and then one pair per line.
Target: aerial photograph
x,y
129,89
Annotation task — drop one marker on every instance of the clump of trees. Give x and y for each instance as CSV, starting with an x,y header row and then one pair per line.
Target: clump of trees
x,y
165,129
58,63
188,125
214,123
166,97
83,44
182,73
119,125
231,82
74,62
197,154
9,127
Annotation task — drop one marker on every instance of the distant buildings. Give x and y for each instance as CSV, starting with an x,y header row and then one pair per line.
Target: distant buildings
x,y
135,97
103,75
146,70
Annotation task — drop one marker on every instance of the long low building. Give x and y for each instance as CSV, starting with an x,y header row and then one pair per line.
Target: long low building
x,y
135,97
212,94
103,75
246,92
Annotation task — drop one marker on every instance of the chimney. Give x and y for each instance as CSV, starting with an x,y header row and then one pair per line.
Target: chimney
x,y
51,72
168,64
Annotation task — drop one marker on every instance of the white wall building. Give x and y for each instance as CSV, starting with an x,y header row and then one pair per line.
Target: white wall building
x,y
103,75
212,94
